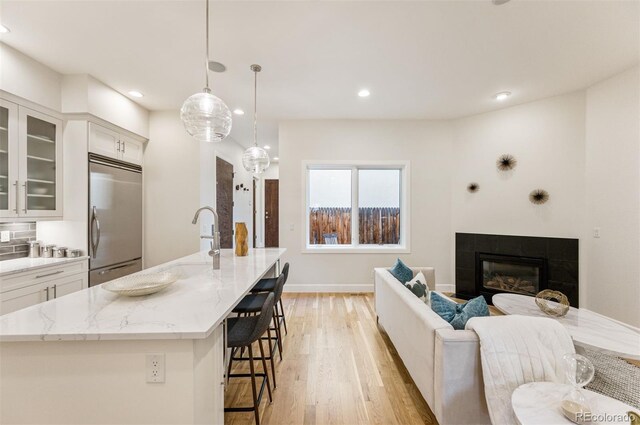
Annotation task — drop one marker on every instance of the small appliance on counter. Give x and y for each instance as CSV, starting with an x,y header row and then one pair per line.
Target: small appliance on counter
x,y
34,249
60,252
38,249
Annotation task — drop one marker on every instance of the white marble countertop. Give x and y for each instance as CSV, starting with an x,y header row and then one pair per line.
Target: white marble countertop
x,y
189,309
538,403
587,329
19,265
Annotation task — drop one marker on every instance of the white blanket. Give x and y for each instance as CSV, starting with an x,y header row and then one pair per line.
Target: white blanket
x,y
516,350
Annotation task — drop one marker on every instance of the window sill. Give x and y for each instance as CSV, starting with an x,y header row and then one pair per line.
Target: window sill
x,y
373,249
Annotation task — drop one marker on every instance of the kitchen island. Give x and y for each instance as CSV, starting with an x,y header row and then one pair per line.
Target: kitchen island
x,y
83,358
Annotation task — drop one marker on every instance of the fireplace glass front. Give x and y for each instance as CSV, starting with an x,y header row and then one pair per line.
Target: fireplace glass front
x,y
511,274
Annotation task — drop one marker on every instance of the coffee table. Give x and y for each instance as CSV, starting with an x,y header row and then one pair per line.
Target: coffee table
x,y
587,329
538,403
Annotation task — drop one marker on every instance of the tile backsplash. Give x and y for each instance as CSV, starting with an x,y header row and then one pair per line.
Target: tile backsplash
x,y
18,245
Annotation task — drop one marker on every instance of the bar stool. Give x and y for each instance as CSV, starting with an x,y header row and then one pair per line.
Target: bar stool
x,y
242,332
253,303
268,285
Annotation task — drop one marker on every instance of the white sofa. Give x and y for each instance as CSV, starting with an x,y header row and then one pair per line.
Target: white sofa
x,y
444,363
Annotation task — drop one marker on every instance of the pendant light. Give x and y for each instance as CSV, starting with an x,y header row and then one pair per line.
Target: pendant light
x,y
205,116
255,159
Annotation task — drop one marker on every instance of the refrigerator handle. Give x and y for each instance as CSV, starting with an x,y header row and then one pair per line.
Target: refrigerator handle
x,y
94,219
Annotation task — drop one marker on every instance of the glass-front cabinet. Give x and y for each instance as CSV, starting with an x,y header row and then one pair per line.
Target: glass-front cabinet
x,y
30,163
9,184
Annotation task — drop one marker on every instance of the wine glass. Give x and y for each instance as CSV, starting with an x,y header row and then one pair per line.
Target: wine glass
x,y
579,371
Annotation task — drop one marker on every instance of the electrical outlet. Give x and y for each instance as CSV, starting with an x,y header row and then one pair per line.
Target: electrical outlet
x,y
5,236
155,368
291,227
596,232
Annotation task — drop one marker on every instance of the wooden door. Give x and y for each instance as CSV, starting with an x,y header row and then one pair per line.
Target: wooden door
x,y
271,214
255,212
224,201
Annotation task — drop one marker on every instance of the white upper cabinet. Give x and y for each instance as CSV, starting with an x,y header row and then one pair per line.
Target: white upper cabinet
x,y
9,183
109,143
30,163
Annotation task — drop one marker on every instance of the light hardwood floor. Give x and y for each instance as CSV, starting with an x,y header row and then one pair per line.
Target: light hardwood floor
x,y
338,368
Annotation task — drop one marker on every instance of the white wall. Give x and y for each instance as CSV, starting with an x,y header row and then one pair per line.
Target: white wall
x,y
179,177
427,145
172,194
547,139
84,94
24,77
613,197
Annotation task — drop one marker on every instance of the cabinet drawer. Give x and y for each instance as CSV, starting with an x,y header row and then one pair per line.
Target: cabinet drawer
x,y
42,275
29,295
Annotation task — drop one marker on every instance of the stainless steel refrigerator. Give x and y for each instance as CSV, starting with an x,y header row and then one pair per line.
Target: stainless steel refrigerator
x,y
115,219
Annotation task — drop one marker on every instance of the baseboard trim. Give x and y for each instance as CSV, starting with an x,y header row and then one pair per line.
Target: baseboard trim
x,y
445,288
349,287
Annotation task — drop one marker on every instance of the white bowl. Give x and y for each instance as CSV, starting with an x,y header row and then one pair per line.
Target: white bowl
x,y
39,190
141,284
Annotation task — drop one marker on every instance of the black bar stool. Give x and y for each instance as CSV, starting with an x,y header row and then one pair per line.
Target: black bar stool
x,y
253,303
242,332
268,285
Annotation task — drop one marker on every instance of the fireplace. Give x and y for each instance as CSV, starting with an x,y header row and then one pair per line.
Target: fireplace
x,y
508,273
489,264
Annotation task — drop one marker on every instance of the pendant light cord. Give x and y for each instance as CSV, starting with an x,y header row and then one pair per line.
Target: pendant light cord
x,y
206,65
255,106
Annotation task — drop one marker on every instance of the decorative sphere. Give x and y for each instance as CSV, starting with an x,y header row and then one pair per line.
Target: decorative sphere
x,y
255,160
206,117
578,369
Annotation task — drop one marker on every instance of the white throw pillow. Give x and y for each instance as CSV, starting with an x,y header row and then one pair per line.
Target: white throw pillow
x,y
418,285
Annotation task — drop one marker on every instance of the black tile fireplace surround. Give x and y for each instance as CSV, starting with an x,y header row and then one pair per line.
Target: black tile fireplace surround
x,y
548,263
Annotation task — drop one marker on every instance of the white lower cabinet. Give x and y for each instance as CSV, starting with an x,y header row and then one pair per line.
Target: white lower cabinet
x,y
46,284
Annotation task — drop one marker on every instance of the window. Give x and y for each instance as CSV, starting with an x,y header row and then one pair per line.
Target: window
x,y
356,207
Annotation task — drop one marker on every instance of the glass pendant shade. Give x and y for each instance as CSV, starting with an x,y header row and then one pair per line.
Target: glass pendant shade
x,y
255,160
206,117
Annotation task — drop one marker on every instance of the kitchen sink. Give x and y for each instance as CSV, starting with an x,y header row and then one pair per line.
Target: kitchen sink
x,y
187,270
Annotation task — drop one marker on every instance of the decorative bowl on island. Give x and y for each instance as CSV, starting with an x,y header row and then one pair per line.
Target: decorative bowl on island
x,y
141,284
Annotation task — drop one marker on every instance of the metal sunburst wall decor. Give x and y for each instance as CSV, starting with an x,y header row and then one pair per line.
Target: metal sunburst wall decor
x,y
473,187
506,162
538,196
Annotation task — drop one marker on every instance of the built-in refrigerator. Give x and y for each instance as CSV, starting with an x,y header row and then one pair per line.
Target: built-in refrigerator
x,y
115,219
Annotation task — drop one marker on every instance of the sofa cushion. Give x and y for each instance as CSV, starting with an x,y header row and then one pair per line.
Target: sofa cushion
x,y
418,286
401,272
458,314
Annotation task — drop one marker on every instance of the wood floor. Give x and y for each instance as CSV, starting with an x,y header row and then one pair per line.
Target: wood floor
x,y
338,368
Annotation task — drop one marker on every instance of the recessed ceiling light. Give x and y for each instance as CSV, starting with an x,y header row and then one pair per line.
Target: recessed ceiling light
x,y
276,158
238,111
503,95
4,30
267,147
364,93
135,93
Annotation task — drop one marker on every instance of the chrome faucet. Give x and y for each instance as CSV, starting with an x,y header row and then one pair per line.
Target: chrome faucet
x,y
215,236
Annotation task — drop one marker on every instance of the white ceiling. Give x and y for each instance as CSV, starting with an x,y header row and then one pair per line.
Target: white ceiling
x,y
420,59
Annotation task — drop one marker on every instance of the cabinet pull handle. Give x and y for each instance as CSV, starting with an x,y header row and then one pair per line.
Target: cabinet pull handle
x,y
17,196
55,291
118,145
124,147
24,185
49,274
47,290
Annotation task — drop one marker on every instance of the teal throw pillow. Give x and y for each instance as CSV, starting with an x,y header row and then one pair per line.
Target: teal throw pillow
x,y
401,272
458,314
